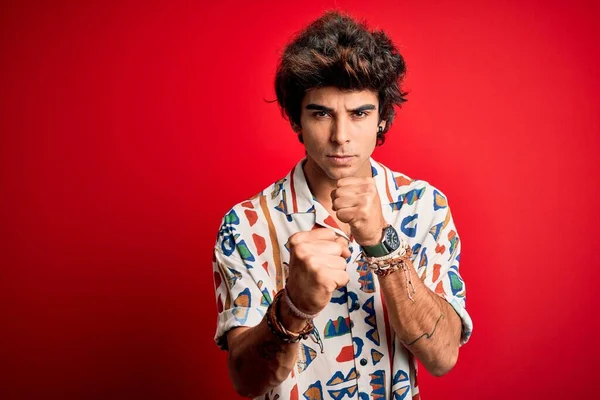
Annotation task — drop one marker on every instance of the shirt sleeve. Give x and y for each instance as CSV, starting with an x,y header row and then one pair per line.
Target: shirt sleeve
x,y
437,261
240,301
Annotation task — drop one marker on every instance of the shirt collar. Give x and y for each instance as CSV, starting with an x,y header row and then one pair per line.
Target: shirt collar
x,y
298,198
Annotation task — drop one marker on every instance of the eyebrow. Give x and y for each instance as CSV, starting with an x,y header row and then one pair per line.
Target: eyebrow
x,y
318,107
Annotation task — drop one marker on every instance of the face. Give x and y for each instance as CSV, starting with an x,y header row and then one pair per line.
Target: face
x,y
339,130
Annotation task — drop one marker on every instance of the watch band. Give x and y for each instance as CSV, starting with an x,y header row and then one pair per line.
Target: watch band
x,y
383,248
378,250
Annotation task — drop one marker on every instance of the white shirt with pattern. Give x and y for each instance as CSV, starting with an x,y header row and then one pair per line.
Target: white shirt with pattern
x,y
362,358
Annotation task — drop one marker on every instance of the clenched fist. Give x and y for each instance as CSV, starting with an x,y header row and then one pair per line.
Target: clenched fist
x,y
356,202
317,267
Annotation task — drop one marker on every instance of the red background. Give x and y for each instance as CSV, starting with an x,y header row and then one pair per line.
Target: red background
x,y
127,131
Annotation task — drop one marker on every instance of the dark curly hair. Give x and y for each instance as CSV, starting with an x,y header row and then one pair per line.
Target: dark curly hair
x,y
335,50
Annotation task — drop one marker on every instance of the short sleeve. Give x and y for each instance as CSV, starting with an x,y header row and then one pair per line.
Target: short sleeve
x,y
438,257
240,302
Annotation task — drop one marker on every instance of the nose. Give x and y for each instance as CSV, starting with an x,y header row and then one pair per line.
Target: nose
x,y
339,132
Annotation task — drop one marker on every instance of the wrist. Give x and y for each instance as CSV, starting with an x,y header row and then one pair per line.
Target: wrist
x,y
278,329
389,242
289,320
376,238
293,297
295,310
371,242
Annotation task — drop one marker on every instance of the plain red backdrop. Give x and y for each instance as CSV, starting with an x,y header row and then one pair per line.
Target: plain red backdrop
x,y
129,128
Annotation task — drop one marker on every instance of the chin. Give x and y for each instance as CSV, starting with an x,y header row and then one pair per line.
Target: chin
x,y
336,173
329,169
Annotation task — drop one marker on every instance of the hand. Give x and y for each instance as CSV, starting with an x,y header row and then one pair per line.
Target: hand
x,y
356,202
317,267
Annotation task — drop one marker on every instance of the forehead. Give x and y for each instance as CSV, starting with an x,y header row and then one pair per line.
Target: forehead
x,y
334,97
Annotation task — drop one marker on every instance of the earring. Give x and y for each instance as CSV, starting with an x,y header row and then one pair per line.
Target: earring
x,y
380,130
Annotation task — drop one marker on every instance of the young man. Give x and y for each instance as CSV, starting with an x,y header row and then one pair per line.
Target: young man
x,y
332,280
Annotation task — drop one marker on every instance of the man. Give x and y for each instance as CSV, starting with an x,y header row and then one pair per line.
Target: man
x,y
332,280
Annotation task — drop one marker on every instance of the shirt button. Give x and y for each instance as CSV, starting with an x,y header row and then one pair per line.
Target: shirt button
x,y
355,306
363,361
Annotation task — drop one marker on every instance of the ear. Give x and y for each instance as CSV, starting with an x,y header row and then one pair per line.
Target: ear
x,y
298,131
382,124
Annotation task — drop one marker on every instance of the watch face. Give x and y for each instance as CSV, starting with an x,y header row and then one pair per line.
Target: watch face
x,y
391,239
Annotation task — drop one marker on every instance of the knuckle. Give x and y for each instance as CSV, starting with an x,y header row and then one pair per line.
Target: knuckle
x,y
322,279
319,234
336,246
311,262
294,240
331,286
331,233
300,251
346,278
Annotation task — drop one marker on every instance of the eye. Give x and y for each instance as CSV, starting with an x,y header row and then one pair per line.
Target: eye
x,y
360,114
320,114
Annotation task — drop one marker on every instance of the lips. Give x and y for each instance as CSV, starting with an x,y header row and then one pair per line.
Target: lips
x,y
341,159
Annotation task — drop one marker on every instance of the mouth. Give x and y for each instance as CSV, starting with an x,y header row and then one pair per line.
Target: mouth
x,y
340,159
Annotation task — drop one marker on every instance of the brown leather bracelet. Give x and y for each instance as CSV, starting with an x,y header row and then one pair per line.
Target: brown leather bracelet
x,y
279,330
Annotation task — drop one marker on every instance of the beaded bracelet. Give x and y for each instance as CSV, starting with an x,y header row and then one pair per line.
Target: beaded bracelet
x,y
399,259
295,309
279,330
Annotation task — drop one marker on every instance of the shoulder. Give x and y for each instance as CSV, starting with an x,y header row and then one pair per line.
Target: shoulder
x,y
256,202
248,215
413,203
408,190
